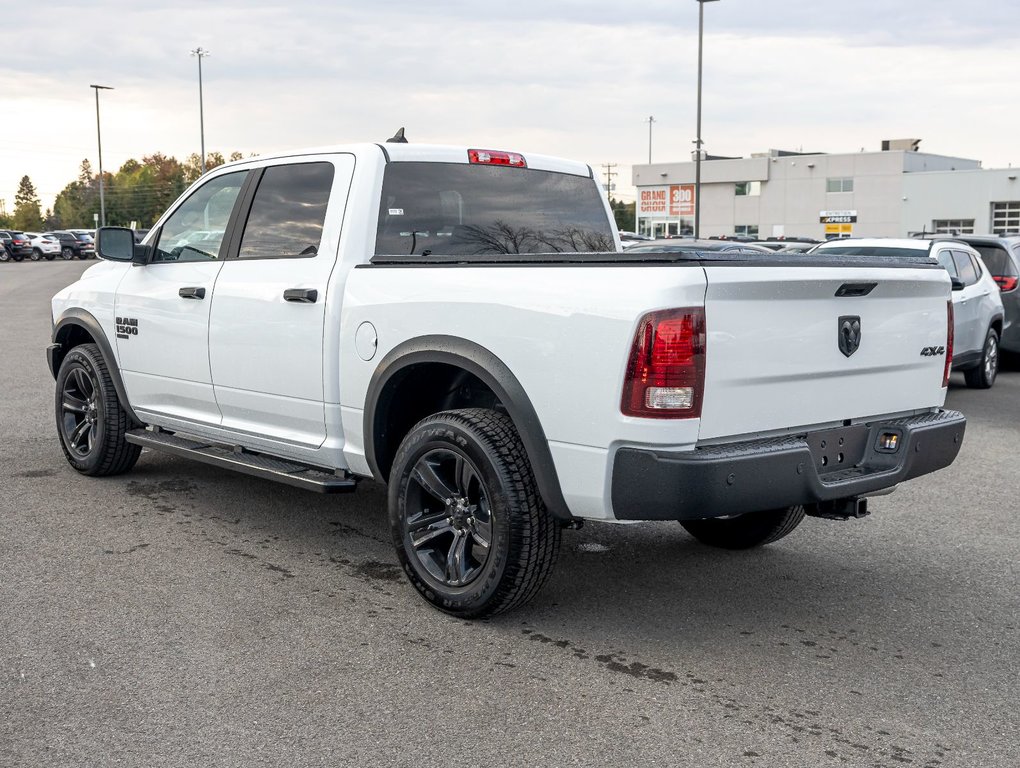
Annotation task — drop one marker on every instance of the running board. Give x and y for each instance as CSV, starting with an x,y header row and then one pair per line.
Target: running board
x,y
239,460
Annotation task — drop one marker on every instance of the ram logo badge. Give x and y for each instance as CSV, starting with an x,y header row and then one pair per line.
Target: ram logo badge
x,y
933,351
126,327
849,337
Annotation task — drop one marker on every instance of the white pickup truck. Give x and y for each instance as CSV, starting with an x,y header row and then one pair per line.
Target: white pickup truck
x,y
462,325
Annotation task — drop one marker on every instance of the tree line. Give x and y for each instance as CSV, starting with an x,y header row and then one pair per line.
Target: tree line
x,y
138,192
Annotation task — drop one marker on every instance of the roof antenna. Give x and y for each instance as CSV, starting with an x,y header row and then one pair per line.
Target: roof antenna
x,y
398,138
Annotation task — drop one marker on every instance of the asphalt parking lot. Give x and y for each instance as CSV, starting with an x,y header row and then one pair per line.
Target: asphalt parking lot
x,y
183,616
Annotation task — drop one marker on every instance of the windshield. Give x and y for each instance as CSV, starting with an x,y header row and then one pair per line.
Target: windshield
x,y
460,209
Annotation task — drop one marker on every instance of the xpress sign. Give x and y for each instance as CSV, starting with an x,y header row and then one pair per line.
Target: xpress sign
x,y
837,217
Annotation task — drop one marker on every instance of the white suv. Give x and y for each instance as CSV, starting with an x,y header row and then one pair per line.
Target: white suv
x,y
977,304
43,246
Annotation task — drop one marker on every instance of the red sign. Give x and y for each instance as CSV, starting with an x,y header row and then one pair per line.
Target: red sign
x,y
681,200
654,201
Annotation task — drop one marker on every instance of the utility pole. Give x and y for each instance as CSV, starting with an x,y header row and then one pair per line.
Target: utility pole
x,y
609,173
99,138
650,120
200,52
698,142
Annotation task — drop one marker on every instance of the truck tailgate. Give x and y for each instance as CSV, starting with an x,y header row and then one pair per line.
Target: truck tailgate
x,y
774,360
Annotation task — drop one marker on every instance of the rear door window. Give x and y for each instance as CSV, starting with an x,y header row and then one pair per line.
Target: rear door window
x,y
465,209
965,267
288,212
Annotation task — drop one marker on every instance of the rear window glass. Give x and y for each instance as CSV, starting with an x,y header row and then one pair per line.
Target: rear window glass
x,y
460,209
996,259
871,250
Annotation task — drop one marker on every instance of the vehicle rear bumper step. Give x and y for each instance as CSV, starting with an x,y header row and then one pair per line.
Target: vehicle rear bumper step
x,y
256,464
818,467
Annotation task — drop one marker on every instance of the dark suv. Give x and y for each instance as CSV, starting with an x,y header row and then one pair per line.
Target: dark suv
x,y
74,244
16,245
1001,255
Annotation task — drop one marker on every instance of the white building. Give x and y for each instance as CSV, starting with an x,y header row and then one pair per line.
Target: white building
x,y
895,192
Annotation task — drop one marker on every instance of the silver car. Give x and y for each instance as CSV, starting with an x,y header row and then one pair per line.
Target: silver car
x,y
978,315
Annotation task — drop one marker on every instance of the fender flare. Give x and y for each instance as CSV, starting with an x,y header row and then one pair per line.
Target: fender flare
x,y
495,374
55,353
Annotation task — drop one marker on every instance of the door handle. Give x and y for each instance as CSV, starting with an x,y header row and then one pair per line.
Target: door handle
x,y
301,295
191,292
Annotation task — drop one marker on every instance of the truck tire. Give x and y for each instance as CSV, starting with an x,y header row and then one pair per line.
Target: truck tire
x,y
754,529
90,420
469,526
983,376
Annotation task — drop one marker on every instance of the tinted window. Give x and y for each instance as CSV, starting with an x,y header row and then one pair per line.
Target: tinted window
x,y
946,260
965,267
996,259
288,211
461,209
871,250
194,232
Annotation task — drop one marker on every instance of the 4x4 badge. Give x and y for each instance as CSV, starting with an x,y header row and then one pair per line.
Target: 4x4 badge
x,y
849,337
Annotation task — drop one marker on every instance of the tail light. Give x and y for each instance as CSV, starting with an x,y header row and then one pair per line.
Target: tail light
x,y
665,376
949,344
492,157
1006,284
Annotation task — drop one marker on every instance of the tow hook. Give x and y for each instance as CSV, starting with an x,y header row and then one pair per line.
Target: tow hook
x,y
838,509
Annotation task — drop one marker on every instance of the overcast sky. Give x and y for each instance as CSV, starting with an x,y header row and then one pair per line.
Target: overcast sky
x,y
567,77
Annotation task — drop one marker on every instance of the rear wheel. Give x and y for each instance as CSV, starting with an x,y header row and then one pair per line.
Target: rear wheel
x,y
18,257
67,253
90,420
984,375
754,529
470,528
36,254
4,255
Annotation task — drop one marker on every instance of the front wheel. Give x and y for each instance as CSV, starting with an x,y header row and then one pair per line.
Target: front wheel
x,y
470,528
754,529
67,253
36,254
984,375
90,420
4,255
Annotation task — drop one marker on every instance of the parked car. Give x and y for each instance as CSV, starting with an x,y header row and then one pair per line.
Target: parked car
x,y
978,314
17,244
5,247
502,390
73,244
43,246
1002,257
678,245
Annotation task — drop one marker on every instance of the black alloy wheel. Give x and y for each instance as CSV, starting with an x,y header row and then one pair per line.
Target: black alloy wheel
x,y
80,422
67,253
448,523
91,422
470,528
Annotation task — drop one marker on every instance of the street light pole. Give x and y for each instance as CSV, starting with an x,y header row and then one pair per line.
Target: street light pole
x,y
698,142
200,52
99,138
650,120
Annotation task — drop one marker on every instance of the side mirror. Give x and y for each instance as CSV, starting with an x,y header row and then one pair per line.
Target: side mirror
x,y
957,283
118,244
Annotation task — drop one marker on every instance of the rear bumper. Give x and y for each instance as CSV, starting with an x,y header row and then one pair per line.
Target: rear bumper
x,y
819,466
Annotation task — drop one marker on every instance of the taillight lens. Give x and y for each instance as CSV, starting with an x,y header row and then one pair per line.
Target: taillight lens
x,y
1006,284
949,344
665,376
493,157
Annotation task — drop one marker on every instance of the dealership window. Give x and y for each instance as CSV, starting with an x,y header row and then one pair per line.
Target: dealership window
x,y
1006,218
953,226
747,188
841,184
746,230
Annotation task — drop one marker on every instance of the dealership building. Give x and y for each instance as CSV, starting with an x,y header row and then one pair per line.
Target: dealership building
x,y
898,191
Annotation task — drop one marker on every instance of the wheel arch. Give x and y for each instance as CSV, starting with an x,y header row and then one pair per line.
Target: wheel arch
x,y
447,363
78,326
